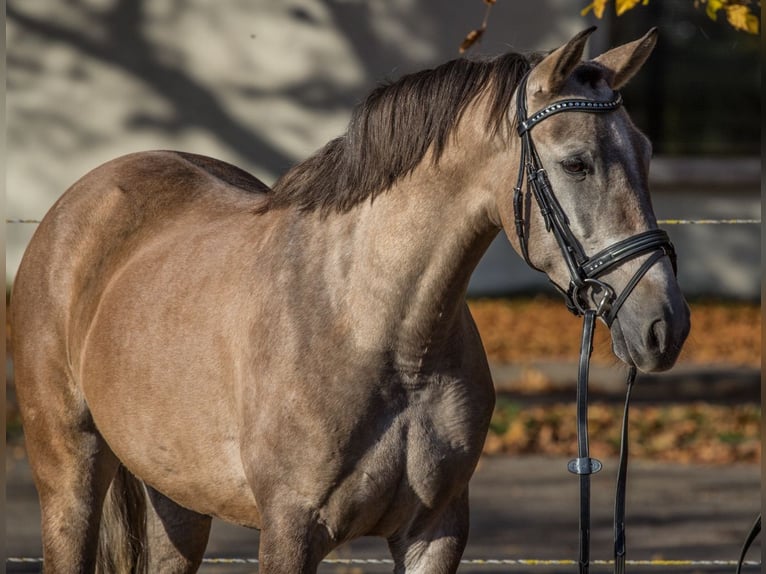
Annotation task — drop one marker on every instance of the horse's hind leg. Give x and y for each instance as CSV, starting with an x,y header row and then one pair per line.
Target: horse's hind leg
x,y
71,464
177,536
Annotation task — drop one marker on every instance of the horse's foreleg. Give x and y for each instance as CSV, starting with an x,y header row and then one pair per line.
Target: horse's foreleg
x,y
436,549
293,543
177,536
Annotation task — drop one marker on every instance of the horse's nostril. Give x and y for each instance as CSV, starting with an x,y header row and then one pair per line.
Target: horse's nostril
x,y
657,336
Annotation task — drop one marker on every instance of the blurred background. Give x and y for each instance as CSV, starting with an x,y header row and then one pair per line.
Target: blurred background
x,y
263,84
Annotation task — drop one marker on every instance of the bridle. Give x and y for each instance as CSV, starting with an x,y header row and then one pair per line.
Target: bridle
x,y
603,302
584,271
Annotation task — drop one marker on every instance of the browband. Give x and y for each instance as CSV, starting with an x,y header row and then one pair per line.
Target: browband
x,y
574,105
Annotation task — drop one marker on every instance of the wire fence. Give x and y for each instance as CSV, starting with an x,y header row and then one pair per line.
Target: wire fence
x,y
707,221
468,562
659,222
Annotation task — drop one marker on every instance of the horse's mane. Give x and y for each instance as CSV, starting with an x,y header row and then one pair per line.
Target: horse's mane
x,y
390,133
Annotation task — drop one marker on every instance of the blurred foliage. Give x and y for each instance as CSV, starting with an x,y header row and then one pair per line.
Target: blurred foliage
x,y
740,14
475,35
541,328
687,433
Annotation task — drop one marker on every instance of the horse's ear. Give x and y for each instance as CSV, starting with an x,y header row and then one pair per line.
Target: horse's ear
x,y
553,71
624,61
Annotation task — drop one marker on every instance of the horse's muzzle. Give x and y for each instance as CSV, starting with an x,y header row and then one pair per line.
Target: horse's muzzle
x,y
657,342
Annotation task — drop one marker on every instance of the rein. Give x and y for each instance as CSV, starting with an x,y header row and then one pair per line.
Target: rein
x,y
586,296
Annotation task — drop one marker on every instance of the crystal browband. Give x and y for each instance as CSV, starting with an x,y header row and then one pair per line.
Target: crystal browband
x,y
570,105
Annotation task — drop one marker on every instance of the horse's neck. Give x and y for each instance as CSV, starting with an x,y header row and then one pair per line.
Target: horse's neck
x,y
408,257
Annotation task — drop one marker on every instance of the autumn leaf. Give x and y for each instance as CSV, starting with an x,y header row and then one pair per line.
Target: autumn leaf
x,y
623,6
738,12
471,38
712,8
597,6
475,35
740,18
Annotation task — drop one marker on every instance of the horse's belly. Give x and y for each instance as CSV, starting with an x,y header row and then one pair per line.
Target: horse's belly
x,y
186,453
169,413
215,486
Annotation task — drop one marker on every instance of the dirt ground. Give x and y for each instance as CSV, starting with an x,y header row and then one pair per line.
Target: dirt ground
x,y
523,507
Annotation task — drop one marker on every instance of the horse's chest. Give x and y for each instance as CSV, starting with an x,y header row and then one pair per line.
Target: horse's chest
x,y
423,457
444,437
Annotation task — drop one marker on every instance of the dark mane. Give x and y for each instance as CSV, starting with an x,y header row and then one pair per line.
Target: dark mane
x,y
391,131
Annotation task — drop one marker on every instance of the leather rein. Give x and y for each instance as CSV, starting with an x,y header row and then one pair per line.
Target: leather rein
x,y
586,296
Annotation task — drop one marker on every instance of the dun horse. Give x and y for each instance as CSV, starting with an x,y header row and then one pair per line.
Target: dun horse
x,y
190,343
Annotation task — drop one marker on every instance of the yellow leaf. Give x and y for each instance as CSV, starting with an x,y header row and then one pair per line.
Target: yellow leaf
x,y
740,18
713,6
597,6
623,6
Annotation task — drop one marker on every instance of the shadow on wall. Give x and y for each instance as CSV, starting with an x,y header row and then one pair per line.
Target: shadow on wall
x,y
258,84
150,45
117,39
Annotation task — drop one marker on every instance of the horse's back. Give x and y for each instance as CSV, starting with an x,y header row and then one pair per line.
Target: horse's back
x,y
134,194
106,215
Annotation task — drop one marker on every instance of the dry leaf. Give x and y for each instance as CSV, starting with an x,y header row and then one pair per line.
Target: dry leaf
x,y
472,37
623,6
597,6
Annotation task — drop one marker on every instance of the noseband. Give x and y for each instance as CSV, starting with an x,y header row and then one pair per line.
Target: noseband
x,y
586,295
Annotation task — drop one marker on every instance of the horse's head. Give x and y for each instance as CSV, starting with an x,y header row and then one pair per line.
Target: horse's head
x,y
595,185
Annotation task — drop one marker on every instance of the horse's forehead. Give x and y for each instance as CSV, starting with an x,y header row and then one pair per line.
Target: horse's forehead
x,y
612,133
588,80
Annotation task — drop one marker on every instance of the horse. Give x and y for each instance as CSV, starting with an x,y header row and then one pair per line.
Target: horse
x,y
190,343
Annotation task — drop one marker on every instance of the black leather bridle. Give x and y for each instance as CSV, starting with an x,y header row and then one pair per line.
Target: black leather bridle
x,y
586,296
584,271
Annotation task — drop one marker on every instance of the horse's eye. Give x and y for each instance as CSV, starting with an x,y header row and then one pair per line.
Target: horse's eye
x,y
575,167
